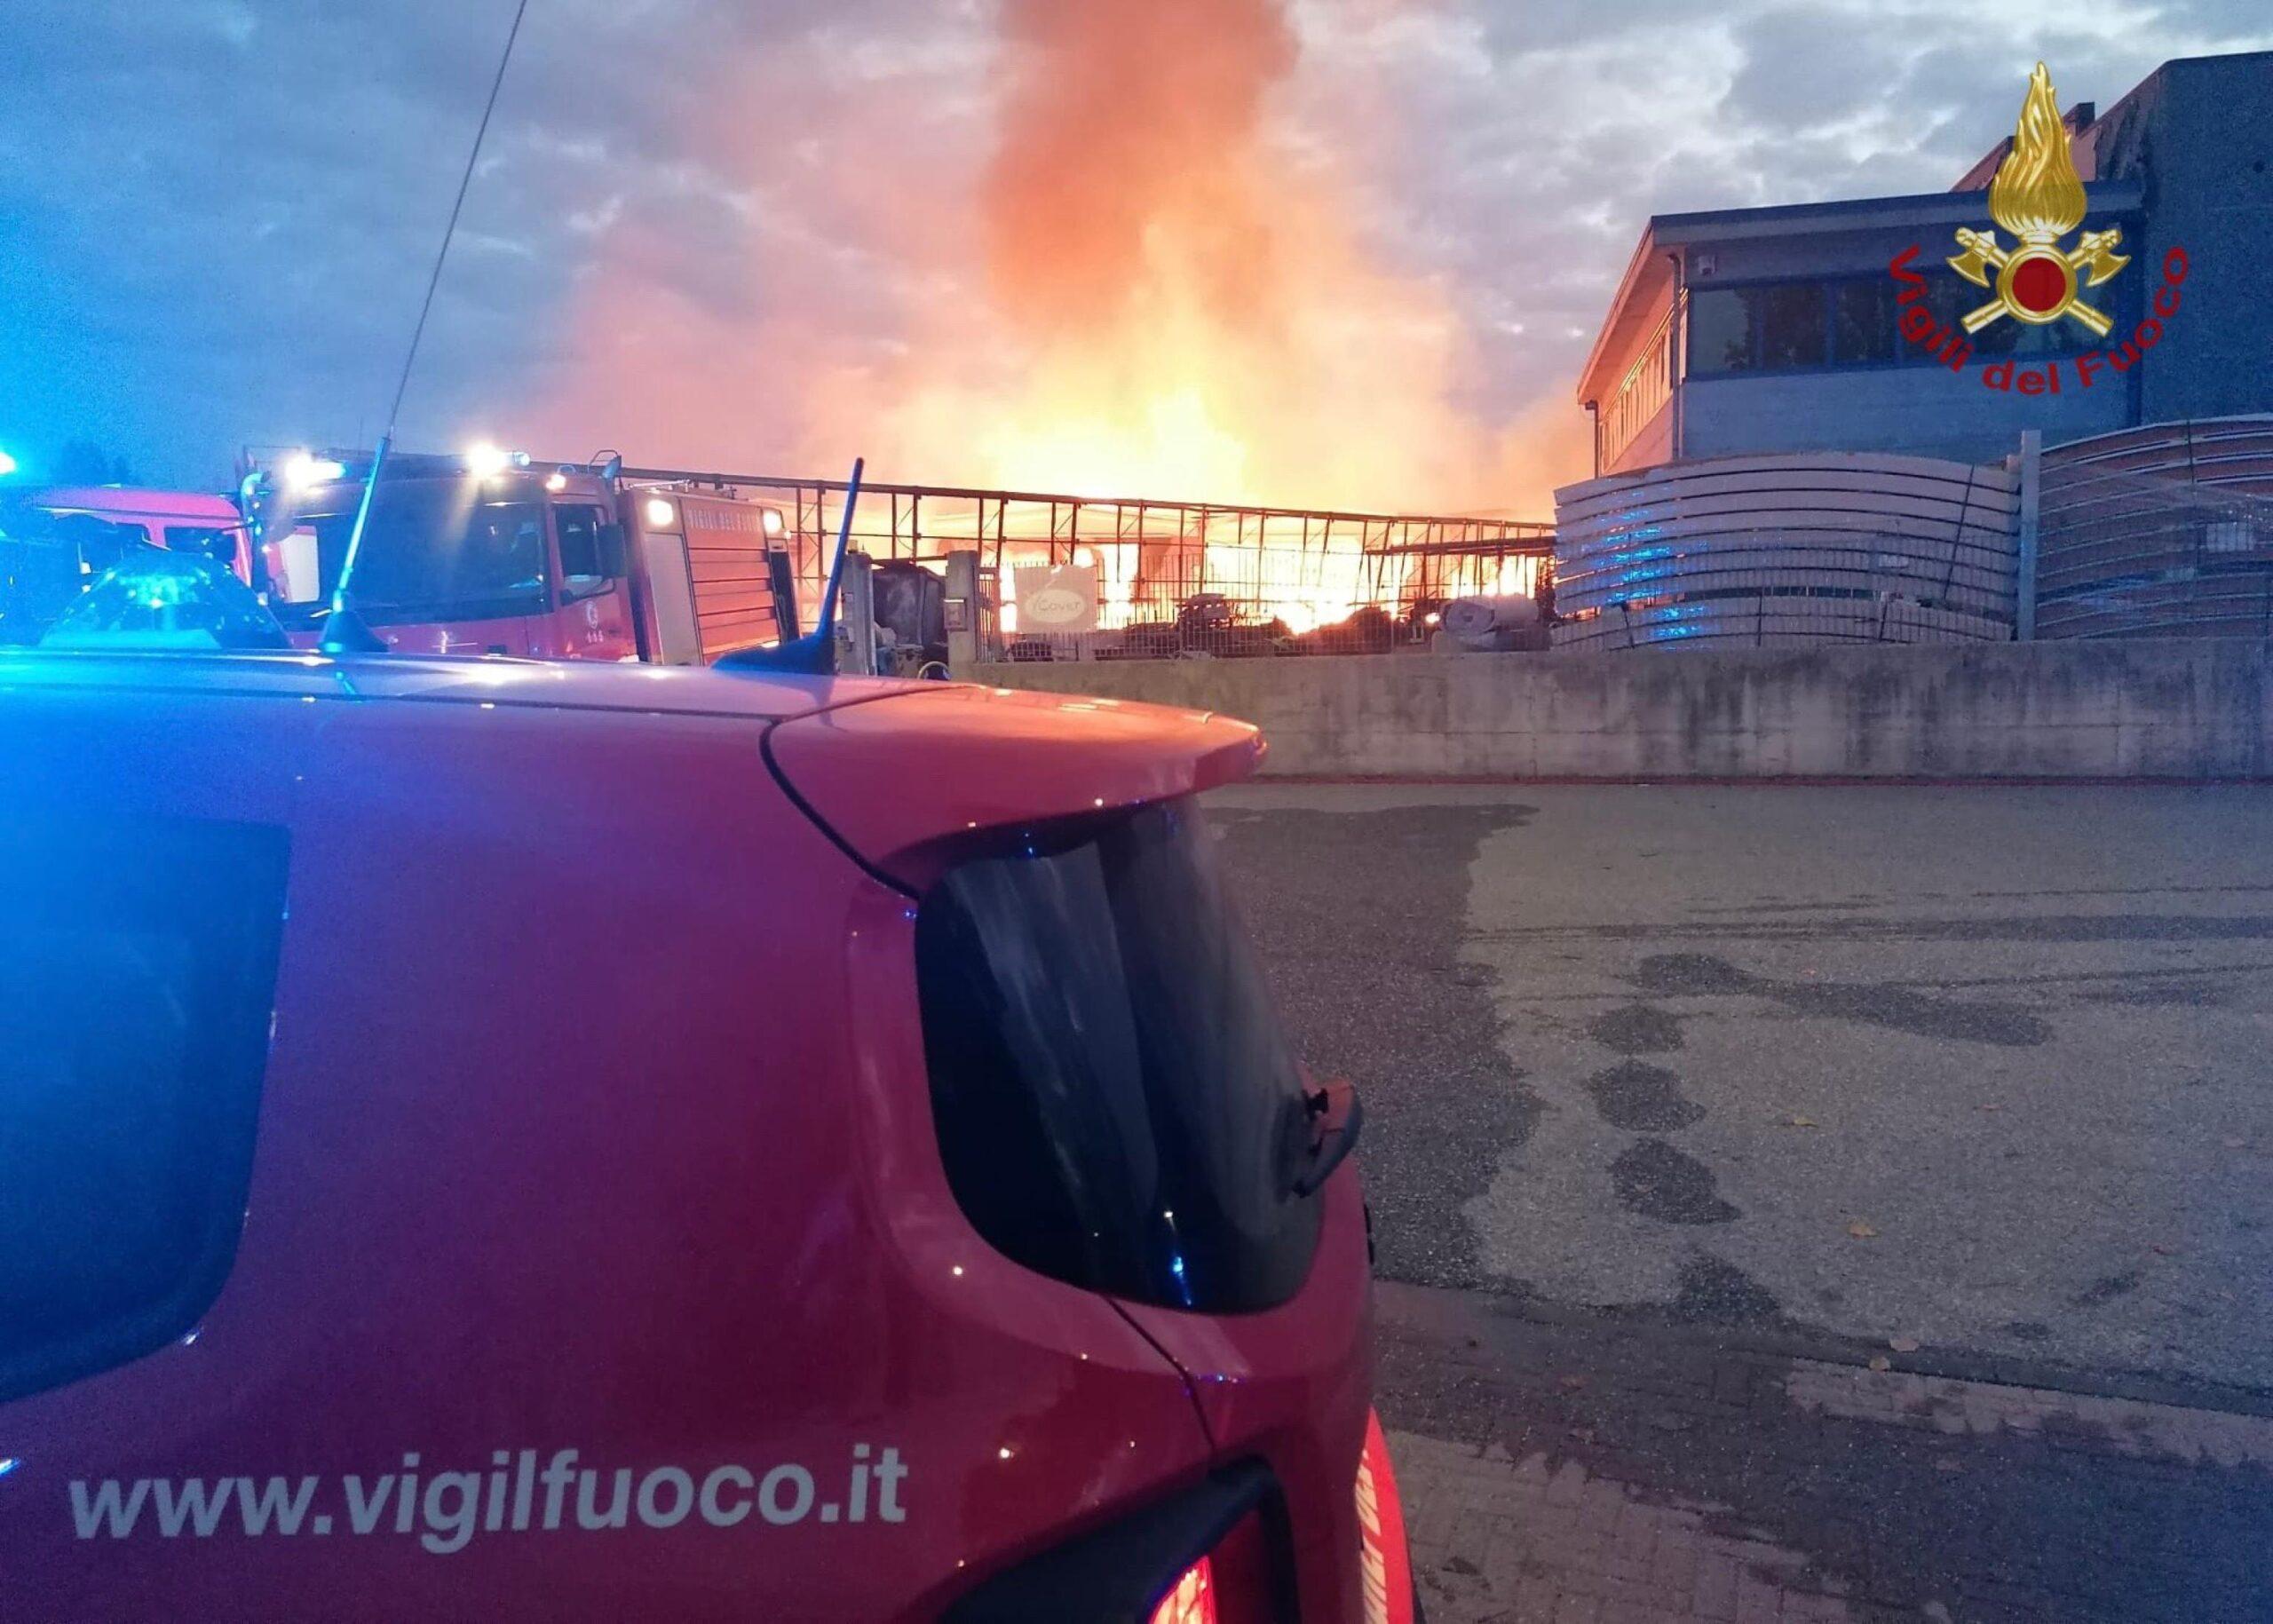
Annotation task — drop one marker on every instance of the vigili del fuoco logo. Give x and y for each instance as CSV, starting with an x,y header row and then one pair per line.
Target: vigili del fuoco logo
x,y
2037,198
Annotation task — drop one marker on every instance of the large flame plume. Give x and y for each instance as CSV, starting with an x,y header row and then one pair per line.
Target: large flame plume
x,y
2037,194
1145,288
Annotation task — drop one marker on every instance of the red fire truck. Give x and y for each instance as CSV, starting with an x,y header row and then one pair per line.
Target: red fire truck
x,y
490,553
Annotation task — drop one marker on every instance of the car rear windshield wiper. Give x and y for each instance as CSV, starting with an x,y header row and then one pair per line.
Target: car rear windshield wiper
x,y
1337,1116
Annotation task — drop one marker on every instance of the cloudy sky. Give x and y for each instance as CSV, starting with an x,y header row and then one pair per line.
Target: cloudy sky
x,y
769,235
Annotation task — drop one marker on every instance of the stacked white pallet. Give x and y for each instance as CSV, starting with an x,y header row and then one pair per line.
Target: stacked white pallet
x,y
2157,530
1786,550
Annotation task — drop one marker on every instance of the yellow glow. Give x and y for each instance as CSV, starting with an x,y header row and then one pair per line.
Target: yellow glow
x,y
303,471
485,461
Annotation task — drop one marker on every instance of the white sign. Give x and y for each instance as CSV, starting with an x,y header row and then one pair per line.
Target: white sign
x,y
1057,597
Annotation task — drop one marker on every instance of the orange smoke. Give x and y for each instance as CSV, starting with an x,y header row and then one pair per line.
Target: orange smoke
x,y
1143,288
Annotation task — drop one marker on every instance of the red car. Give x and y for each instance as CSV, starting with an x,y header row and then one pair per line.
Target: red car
x,y
488,1140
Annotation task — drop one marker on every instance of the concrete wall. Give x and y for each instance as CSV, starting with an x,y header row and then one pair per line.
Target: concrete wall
x,y
2182,708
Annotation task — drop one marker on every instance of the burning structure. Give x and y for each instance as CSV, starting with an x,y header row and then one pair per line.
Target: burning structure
x,y
1159,577
1116,273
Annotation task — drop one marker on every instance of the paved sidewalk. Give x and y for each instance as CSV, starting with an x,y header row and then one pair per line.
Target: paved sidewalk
x,y
1599,1472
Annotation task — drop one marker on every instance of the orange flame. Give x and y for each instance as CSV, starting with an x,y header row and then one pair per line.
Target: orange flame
x,y
1144,290
1194,316
2037,194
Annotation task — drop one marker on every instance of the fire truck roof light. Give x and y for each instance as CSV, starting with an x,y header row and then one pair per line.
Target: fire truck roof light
x,y
486,462
556,481
772,521
303,471
7,464
659,512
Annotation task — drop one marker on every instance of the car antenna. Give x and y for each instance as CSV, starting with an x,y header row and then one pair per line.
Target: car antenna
x,y
814,654
343,630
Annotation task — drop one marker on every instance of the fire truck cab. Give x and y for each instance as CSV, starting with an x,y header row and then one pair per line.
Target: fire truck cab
x,y
489,554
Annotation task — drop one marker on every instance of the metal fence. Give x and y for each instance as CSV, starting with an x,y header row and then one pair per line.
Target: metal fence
x,y
1778,551
2160,531
1172,578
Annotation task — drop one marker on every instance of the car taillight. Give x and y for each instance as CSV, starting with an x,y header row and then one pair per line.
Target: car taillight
x,y
1193,1599
1230,1585
1384,1564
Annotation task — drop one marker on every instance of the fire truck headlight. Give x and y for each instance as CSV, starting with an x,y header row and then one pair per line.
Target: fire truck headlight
x,y
486,461
304,472
660,514
772,521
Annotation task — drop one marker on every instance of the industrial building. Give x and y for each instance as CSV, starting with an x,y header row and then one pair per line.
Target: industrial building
x,y
1745,331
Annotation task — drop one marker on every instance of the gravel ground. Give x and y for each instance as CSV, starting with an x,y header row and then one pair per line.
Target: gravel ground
x,y
1981,1070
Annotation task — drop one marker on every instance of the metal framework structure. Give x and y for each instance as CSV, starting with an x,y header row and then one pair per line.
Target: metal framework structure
x,y
1302,568
2160,531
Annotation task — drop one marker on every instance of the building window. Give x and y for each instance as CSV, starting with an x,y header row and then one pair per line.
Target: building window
x,y
1863,315
1772,328
1720,330
1790,323
1851,321
1641,394
133,1032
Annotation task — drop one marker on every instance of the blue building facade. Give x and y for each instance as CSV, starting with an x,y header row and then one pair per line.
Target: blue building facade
x,y
1791,329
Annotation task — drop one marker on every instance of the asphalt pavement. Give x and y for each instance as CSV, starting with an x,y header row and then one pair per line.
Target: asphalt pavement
x,y
1584,1473
1977,1076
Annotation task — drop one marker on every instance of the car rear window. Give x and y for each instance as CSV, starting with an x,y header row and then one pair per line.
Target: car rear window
x,y
1116,1103
138,964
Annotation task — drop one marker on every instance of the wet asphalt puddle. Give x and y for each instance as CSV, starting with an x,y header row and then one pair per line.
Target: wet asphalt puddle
x,y
1699,1073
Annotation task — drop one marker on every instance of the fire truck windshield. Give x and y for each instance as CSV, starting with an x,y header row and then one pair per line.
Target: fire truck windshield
x,y
433,549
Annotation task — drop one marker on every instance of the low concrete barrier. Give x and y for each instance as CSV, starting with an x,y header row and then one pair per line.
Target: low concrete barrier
x,y
2191,708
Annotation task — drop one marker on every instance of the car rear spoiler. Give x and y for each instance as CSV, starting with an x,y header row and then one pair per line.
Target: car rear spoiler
x,y
903,781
